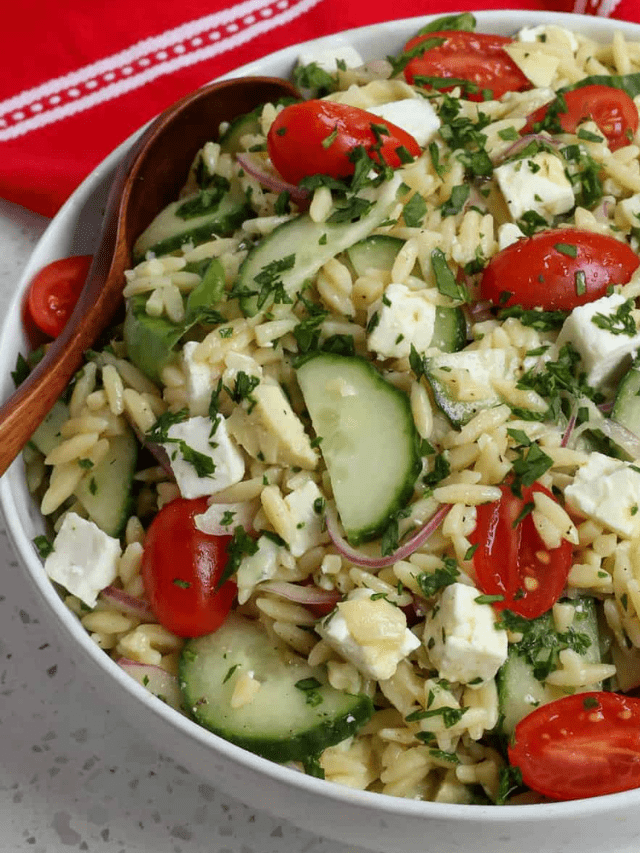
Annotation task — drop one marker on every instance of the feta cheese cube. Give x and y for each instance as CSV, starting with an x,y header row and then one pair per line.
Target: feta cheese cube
x,y
296,517
200,380
415,115
221,519
607,490
84,559
604,355
225,459
537,183
270,430
258,567
328,59
370,633
462,639
508,233
405,318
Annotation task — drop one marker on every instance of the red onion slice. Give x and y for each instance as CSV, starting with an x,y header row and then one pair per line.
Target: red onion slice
x,y
522,143
270,180
129,604
156,680
405,550
306,595
569,430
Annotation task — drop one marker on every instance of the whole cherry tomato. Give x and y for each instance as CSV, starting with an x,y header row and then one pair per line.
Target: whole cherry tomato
x,y
557,269
181,569
54,292
579,746
478,58
611,109
511,558
316,138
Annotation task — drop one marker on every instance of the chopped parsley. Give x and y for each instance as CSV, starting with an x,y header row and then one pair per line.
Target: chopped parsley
x,y
431,583
620,322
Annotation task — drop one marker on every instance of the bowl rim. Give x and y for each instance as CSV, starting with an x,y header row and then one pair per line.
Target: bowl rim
x,y
496,20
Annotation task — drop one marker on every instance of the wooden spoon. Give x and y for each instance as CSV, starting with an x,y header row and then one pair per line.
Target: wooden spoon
x,y
149,177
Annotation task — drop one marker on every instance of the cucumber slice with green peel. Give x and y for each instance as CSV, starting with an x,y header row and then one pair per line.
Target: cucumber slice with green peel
x,y
461,381
379,252
47,436
169,231
626,406
293,715
367,438
519,690
239,127
450,329
105,492
294,252
151,341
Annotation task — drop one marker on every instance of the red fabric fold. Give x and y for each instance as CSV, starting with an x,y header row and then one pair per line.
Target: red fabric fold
x,y
79,78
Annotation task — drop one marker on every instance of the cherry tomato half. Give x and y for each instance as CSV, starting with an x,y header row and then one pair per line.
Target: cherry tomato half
x,y
583,745
181,567
316,138
479,58
557,269
611,109
512,560
54,292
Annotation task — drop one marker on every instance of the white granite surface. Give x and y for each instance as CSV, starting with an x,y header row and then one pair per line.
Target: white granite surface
x,y
73,774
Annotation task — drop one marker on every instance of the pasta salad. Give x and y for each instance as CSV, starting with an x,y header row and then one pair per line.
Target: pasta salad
x,y
355,483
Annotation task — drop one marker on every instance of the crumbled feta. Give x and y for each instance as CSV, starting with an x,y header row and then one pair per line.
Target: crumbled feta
x,y
328,59
371,633
604,355
462,639
84,559
607,490
221,519
405,318
269,429
298,517
226,461
258,567
415,115
537,183
200,380
508,233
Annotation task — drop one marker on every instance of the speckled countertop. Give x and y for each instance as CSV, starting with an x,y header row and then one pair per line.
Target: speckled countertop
x,y
73,774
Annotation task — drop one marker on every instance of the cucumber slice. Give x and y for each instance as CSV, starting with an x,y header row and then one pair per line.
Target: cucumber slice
x,y
105,492
289,718
450,329
461,381
519,691
626,406
239,127
151,340
168,232
295,251
367,438
47,436
379,252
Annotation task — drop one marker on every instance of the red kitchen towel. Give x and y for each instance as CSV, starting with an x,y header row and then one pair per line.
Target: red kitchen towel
x,y
80,77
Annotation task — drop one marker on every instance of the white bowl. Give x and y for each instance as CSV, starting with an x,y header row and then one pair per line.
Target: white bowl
x,y
601,825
